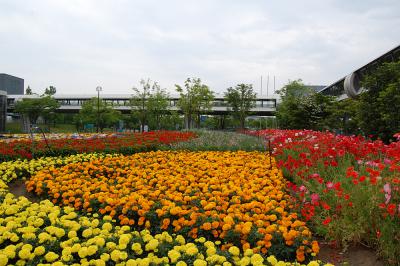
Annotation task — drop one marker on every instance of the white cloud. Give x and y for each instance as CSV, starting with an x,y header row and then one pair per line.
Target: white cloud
x,y
77,45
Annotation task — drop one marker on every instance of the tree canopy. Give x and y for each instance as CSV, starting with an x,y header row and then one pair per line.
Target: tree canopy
x,y
378,109
195,99
240,100
302,108
35,107
149,103
104,116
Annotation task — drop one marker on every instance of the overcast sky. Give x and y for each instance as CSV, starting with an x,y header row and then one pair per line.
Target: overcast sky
x,y
76,45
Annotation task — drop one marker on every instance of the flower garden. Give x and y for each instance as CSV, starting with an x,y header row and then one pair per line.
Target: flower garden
x,y
151,199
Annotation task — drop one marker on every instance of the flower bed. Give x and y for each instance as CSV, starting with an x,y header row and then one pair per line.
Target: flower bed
x,y
347,186
235,197
44,234
122,143
23,169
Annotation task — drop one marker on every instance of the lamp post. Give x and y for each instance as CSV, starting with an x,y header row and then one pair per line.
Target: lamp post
x,y
98,89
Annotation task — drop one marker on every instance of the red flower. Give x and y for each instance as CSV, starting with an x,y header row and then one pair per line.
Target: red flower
x,y
326,221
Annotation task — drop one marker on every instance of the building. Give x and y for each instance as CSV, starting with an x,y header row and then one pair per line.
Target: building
x,y
265,105
12,85
350,85
3,110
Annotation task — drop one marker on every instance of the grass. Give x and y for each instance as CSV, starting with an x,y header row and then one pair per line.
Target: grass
x,y
219,141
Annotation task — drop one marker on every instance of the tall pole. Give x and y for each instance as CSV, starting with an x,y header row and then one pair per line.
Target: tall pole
x,y
267,83
274,84
98,89
261,87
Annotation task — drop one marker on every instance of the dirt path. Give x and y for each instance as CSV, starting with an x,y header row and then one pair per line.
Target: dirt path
x,y
356,255
17,188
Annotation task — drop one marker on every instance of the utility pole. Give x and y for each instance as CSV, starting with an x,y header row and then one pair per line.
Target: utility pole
x,y
267,83
261,86
98,89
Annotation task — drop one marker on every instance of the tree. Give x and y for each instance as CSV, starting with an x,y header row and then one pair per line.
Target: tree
x,y
104,116
33,108
50,91
302,108
157,105
28,91
379,106
139,101
240,100
195,99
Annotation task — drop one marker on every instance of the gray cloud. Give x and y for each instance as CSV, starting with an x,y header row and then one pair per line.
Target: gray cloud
x,y
77,45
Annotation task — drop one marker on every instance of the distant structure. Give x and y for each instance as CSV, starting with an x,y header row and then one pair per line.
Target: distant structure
x,y
11,85
3,110
316,88
349,86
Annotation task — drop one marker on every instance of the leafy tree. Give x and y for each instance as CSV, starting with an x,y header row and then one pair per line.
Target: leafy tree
x,y
33,108
104,116
195,99
240,100
379,107
343,117
302,108
157,105
139,101
50,91
28,91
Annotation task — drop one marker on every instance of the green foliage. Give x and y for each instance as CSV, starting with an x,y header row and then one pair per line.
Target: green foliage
x,y
302,108
379,106
219,141
150,105
240,100
35,107
50,91
96,111
195,99
28,91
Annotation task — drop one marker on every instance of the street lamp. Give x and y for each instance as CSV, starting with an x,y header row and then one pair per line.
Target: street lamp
x,y
98,89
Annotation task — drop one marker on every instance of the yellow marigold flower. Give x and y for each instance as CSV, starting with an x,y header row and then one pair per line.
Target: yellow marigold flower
x,y
244,261
137,248
83,252
107,226
199,262
91,250
3,260
39,251
66,258
191,251
115,255
105,257
151,245
51,256
100,241
131,262
235,251
174,255
257,259
180,239
87,233
24,254
72,234
124,239
181,263
313,263
248,252
271,259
